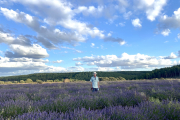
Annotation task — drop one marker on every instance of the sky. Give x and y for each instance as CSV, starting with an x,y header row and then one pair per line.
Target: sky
x,y
60,36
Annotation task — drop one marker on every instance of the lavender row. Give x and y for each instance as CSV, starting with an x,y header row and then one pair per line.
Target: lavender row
x,y
167,110
20,99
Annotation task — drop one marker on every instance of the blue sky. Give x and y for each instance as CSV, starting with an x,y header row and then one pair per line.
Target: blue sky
x,y
45,36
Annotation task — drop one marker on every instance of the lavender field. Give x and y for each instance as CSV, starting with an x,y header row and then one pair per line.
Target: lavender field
x,y
123,100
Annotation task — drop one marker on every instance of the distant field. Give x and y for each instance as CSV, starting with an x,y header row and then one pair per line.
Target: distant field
x,y
128,100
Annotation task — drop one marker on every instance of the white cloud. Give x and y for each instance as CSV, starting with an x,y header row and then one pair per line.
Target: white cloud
x,y
122,24
92,44
78,64
170,22
90,11
1,52
78,51
123,4
136,23
165,32
55,36
75,69
152,8
6,38
58,61
125,61
12,65
179,36
118,40
127,15
65,18
35,51
166,41
52,69
112,19
172,56
109,34
24,59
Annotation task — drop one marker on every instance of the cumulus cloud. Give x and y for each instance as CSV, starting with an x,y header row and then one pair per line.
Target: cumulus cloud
x,y
165,32
123,4
54,35
21,66
12,65
77,51
7,38
179,53
127,15
170,22
92,44
99,69
65,18
24,59
178,36
35,51
125,61
152,8
90,11
45,42
172,56
58,61
78,64
136,23
122,24
75,69
109,34
112,19
1,52
118,40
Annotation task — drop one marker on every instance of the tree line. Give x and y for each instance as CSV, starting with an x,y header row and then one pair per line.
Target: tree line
x,y
128,75
167,72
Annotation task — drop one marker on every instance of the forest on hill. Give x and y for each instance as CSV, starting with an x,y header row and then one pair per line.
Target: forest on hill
x,y
167,72
128,75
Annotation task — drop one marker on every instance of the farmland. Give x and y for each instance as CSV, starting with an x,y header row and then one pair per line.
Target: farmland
x,y
129,100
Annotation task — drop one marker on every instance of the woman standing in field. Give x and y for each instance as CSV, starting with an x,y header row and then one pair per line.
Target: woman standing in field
x,y
95,82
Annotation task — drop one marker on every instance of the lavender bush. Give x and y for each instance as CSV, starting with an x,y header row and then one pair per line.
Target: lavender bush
x,y
127,100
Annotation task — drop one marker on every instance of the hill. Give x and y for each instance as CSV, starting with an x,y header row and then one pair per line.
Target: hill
x,y
128,75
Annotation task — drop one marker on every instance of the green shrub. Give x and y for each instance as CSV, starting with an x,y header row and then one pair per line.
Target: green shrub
x,y
7,82
121,78
22,81
56,80
29,80
39,81
103,79
112,79
49,80
15,82
1,82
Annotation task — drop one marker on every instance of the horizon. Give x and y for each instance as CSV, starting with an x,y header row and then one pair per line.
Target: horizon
x,y
68,36
71,72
